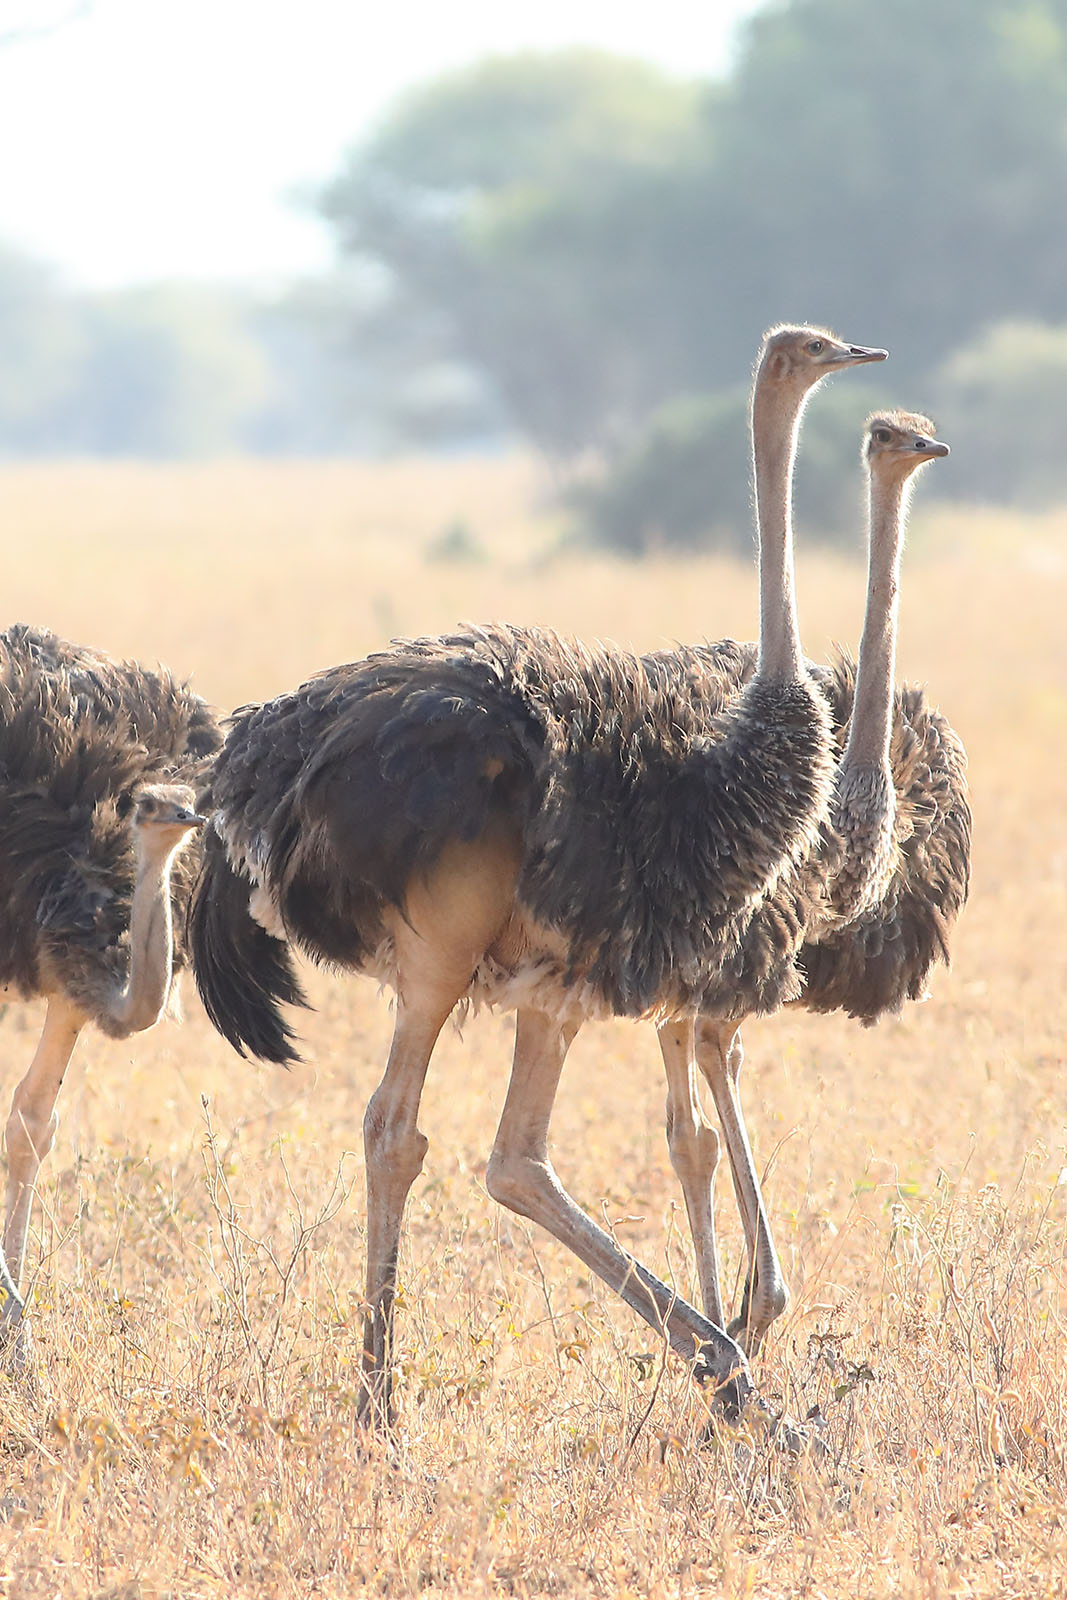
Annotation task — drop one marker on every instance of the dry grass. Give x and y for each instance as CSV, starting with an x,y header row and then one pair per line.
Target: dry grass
x,y
199,1273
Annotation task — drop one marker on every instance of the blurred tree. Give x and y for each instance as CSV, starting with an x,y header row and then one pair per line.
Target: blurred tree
x,y
41,346
329,366
356,366
503,199
563,243
685,483
892,169
1001,403
170,371
598,238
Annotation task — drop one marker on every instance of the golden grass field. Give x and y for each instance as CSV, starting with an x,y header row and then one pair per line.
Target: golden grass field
x,y
197,1251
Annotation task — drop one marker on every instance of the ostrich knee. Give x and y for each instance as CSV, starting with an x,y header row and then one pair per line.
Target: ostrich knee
x,y
30,1134
395,1150
694,1145
711,1042
514,1180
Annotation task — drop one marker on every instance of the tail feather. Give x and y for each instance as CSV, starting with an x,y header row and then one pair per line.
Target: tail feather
x,y
243,974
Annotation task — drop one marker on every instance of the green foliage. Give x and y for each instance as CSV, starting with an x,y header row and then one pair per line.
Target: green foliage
x,y
547,119
683,483
1001,405
181,370
598,239
41,344
893,167
171,372
456,545
686,483
503,199
561,245
167,371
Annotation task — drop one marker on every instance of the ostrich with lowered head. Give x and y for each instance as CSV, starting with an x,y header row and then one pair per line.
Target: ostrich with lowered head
x,y
97,759
508,816
893,861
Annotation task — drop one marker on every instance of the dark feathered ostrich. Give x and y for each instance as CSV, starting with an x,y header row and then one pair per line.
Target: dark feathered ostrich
x,y
508,816
886,885
96,762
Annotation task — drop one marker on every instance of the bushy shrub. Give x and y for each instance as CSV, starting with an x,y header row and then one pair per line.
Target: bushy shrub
x,y
686,483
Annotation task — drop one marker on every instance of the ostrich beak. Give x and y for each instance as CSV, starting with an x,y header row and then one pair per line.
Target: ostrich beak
x,y
859,354
932,447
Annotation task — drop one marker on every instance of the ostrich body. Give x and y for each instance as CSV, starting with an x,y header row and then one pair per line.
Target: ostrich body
x,y
886,885
508,816
96,762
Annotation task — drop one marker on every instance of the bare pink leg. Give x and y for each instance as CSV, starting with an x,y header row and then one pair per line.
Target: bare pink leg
x,y
694,1148
31,1132
720,1057
395,1151
520,1175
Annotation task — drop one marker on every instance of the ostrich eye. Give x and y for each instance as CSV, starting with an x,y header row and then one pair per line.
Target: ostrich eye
x,y
814,347
882,435
148,805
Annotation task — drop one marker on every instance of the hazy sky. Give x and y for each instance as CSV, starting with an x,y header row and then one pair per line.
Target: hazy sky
x,y
155,138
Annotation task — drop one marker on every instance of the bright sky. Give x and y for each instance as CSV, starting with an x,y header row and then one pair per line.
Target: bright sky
x,y
163,138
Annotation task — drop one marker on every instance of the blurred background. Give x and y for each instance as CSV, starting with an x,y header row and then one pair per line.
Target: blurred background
x,y
306,230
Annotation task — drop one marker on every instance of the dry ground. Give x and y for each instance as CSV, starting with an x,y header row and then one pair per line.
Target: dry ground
x,y
198,1270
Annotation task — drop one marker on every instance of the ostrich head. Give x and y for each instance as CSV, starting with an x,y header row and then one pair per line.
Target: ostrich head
x,y
164,816
896,442
799,357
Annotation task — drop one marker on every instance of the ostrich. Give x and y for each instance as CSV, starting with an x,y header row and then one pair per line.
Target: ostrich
x,y
96,762
510,817
893,862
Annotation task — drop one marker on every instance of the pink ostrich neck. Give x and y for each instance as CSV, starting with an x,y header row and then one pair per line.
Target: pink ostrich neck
x,y
776,412
868,739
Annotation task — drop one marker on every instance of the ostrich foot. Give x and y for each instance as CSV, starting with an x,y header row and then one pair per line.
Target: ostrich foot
x,y
738,1406
374,1408
758,1423
16,1337
730,1398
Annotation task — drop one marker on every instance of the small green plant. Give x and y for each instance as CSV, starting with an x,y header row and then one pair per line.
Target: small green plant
x,y
456,543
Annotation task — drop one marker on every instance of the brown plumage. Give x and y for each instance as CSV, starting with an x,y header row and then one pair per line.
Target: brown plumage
x,y
507,815
79,735
869,967
653,812
97,763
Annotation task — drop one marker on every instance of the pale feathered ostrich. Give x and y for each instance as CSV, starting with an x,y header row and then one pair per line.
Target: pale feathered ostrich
x,y
96,762
508,816
887,885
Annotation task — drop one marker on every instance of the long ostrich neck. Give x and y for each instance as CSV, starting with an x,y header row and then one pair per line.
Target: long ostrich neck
x,y
868,738
141,1002
775,425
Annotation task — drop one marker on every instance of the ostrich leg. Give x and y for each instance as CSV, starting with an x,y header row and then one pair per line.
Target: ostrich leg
x,y
694,1148
450,920
395,1150
520,1175
720,1057
31,1130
